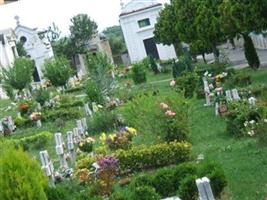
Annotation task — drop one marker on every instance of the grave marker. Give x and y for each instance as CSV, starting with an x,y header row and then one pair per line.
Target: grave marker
x,y
60,150
235,94
70,145
204,189
47,166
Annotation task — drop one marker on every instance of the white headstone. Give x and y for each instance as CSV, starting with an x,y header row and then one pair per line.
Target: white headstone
x,y
207,91
252,101
87,110
204,189
217,109
94,106
39,123
47,166
228,95
235,94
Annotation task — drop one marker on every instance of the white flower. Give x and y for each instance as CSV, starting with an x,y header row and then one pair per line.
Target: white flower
x,y
251,133
265,120
209,75
252,122
246,123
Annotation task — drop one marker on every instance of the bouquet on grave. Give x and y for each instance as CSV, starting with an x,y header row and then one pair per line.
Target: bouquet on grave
x,y
86,145
35,116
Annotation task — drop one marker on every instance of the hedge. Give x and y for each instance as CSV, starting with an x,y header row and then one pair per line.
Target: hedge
x,y
61,113
142,158
180,180
36,141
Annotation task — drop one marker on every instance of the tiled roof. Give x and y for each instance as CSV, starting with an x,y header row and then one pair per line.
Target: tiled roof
x,y
145,8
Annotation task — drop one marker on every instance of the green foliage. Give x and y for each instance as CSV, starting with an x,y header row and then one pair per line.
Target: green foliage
x,y
21,122
188,84
41,96
183,66
142,158
85,162
241,79
139,73
61,113
57,71
75,89
153,65
19,76
103,121
93,92
100,68
116,39
251,53
181,179
20,176
36,141
188,188
147,108
20,49
238,114
9,91
165,31
82,29
145,193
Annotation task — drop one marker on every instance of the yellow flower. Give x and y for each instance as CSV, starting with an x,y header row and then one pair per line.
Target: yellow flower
x,y
112,137
132,131
103,138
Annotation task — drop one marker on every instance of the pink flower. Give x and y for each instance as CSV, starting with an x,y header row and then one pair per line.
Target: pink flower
x,y
170,113
172,83
164,106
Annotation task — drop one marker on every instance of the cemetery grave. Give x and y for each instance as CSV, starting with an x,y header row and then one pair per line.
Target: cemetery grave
x,y
115,150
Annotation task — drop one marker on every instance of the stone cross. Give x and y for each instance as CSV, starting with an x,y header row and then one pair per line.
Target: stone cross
x,y
207,91
39,123
47,166
70,145
204,189
84,124
235,94
94,106
76,135
252,101
60,150
228,95
87,109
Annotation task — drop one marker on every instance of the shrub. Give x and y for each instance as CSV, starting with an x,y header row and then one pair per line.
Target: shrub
x,y
93,92
251,53
181,179
139,73
144,193
58,71
241,79
62,113
75,89
142,158
239,114
19,76
85,162
42,96
261,131
153,65
188,84
21,122
188,189
147,108
75,103
36,141
183,66
103,121
20,176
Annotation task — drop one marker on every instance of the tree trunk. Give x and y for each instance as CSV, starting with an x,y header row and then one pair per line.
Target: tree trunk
x,y
250,52
216,52
178,49
204,58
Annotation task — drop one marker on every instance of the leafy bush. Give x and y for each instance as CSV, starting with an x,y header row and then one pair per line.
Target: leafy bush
x,y
58,71
188,189
181,179
188,84
85,162
93,92
242,79
139,73
42,96
144,193
36,141
20,176
21,121
238,114
182,67
62,113
103,121
147,108
142,158
153,65
75,103
19,76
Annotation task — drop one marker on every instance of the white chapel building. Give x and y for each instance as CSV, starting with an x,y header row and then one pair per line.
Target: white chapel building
x,y
137,21
37,49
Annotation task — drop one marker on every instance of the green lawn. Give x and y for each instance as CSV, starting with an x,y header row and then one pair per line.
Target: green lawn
x,y
243,160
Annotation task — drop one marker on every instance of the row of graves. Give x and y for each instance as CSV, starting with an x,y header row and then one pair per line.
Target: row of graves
x,y
216,95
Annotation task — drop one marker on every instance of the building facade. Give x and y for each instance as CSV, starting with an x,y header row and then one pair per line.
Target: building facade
x,y
37,49
138,19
